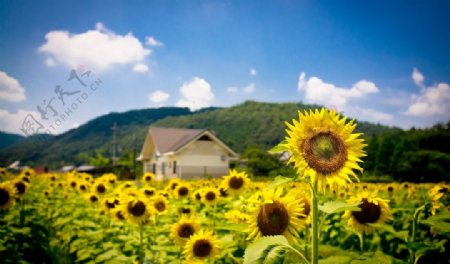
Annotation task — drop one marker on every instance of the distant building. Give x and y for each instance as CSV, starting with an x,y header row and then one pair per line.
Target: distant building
x,y
185,153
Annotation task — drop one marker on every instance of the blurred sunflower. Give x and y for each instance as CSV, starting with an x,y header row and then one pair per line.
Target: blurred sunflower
x,y
323,147
108,204
148,191
436,194
160,204
202,245
135,208
92,197
236,216
275,215
374,210
197,195
7,194
210,196
183,230
21,187
148,177
235,182
182,190
100,188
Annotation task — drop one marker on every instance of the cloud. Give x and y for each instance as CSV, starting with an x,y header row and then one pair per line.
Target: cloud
x,y
98,49
319,92
418,77
433,100
253,72
10,89
158,97
249,88
373,115
196,94
12,122
151,41
140,68
232,90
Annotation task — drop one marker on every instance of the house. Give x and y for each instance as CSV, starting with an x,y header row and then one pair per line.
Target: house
x,y
185,153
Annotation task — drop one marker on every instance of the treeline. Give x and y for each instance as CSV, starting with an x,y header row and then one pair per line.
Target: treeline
x,y
416,155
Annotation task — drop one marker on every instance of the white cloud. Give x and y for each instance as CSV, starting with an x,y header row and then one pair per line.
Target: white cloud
x,y
232,90
196,94
433,100
151,41
141,67
374,115
12,122
249,88
10,88
418,77
98,49
320,92
253,71
158,97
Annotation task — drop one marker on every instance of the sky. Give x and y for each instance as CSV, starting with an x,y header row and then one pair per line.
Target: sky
x,y
63,63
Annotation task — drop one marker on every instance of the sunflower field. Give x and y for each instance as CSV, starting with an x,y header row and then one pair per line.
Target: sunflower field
x,y
322,215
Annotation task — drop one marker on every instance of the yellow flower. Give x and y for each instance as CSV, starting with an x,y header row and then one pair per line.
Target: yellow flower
x,y
202,245
148,191
374,210
236,216
21,187
275,215
435,194
148,177
160,204
183,230
323,147
108,204
135,208
7,194
235,182
182,190
210,196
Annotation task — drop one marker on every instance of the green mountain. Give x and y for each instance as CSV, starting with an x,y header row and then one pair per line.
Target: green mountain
x,y
8,139
247,124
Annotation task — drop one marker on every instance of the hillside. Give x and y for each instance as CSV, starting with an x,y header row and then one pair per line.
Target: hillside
x,y
240,126
8,139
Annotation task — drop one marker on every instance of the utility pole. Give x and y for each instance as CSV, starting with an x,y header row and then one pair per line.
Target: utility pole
x,y
114,143
134,155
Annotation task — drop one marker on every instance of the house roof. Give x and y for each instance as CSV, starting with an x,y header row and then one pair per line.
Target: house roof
x,y
171,139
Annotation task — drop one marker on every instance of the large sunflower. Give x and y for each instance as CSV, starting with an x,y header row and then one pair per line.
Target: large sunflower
x,y
183,230
160,204
7,193
275,215
374,210
323,147
211,196
235,182
202,245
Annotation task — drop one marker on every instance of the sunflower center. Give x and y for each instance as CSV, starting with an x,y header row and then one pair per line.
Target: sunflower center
x,y
306,207
236,182
4,197
273,219
20,187
325,152
185,230
198,196
149,192
137,208
120,215
160,206
93,198
369,213
210,196
183,191
111,205
202,248
101,188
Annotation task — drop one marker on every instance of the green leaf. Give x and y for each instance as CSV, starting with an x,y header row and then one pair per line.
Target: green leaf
x,y
257,251
281,147
279,181
403,235
338,259
106,255
338,206
440,222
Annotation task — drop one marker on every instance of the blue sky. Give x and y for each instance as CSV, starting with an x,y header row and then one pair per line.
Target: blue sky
x,y
382,61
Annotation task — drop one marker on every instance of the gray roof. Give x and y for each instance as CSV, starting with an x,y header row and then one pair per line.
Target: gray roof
x,y
171,139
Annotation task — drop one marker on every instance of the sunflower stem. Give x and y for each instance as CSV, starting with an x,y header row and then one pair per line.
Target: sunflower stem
x,y
361,242
315,225
141,258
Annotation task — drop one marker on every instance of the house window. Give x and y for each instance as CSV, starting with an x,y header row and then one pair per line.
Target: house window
x,y
154,168
174,167
204,138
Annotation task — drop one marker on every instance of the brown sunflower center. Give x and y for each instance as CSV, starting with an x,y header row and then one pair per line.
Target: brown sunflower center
x,y
93,198
236,182
120,215
111,205
136,208
160,206
369,213
183,191
202,248
20,187
148,178
101,188
273,219
186,230
198,197
306,207
210,196
149,192
325,152
4,197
